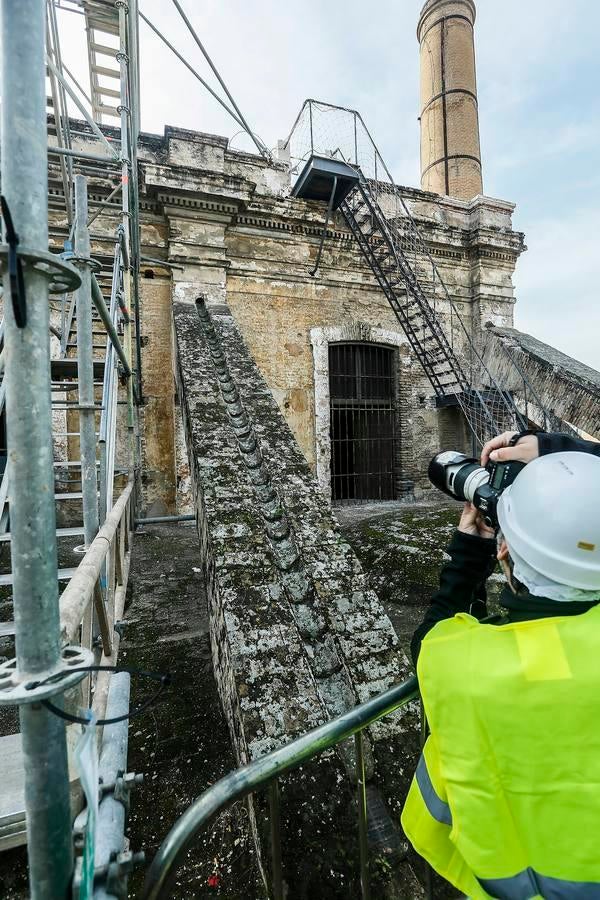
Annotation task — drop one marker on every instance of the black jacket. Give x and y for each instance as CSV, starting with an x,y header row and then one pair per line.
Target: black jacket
x,y
557,443
472,561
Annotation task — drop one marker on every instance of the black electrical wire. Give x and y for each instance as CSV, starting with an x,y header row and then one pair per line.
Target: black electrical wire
x,y
164,679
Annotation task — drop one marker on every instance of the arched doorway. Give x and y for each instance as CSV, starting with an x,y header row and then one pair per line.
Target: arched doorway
x,y
362,411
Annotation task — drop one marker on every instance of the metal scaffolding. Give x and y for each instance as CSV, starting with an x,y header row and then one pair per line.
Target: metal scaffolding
x,y
33,524
51,636
54,164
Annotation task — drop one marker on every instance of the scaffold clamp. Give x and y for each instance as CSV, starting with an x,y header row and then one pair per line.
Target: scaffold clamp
x,y
62,277
19,688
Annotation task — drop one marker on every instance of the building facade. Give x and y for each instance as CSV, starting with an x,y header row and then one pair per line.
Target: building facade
x,y
222,224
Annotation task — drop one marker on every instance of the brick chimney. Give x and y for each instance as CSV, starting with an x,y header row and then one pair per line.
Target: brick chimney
x,y
450,149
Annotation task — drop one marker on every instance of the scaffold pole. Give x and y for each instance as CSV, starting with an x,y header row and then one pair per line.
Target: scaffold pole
x,y
85,364
32,513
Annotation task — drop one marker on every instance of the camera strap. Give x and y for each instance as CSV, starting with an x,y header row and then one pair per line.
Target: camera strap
x,y
521,434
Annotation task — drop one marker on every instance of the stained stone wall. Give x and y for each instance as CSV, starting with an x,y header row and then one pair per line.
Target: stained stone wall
x,y
297,635
222,223
235,232
158,413
568,389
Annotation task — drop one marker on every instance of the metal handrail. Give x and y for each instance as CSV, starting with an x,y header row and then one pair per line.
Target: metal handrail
x,y
78,593
266,771
106,560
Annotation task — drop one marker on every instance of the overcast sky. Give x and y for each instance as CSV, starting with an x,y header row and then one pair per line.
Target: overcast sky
x,y
538,75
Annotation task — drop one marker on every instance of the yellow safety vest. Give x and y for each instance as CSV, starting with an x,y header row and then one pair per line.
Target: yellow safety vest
x,y
505,802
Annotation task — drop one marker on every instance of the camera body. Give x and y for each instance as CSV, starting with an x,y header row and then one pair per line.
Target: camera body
x,y
463,478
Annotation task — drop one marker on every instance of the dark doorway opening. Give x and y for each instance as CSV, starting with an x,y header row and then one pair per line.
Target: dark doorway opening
x,y
363,422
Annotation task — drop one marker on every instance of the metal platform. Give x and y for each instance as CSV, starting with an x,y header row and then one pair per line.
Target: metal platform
x,y
12,805
63,575
315,182
68,368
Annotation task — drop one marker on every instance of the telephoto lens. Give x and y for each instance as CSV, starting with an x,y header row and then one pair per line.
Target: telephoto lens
x,y
457,475
462,478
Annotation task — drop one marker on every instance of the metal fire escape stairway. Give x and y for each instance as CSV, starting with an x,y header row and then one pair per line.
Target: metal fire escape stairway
x,y
487,409
382,248
354,179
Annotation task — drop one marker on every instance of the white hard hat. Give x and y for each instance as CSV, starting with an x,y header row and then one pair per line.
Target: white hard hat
x,y
550,515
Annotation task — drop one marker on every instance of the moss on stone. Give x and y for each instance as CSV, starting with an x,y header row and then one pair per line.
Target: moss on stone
x,y
402,552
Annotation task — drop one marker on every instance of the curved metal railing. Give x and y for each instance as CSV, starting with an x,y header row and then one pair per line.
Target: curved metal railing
x,y
265,772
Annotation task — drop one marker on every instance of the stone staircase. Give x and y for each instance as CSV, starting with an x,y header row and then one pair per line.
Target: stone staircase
x,y
297,635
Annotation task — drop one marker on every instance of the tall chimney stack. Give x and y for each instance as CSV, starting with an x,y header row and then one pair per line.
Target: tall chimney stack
x,y
450,150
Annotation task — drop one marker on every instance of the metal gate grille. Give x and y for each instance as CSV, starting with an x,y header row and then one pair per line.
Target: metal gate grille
x,y
362,417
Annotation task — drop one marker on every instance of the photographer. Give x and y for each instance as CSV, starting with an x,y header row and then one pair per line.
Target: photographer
x,y
505,802
473,548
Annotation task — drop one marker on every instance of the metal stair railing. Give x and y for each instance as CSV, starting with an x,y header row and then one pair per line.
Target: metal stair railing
x,y
265,772
431,347
399,274
380,213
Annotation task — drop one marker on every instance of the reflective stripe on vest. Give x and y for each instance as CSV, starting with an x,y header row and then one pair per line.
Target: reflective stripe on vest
x,y
529,884
437,808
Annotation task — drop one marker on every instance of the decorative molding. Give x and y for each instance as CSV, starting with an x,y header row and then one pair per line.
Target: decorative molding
x,y
195,202
312,230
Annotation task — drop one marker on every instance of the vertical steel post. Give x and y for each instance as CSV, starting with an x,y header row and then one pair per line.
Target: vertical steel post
x,y
363,846
129,111
32,512
85,365
275,829
112,817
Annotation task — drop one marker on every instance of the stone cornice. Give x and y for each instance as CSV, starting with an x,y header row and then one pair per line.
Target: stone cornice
x,y
198,208
231,200
194,137
328,277
187,193
181,180
496,255
248,222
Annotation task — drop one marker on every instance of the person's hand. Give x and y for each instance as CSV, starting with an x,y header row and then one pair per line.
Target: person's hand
x,y
471,522
498,450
